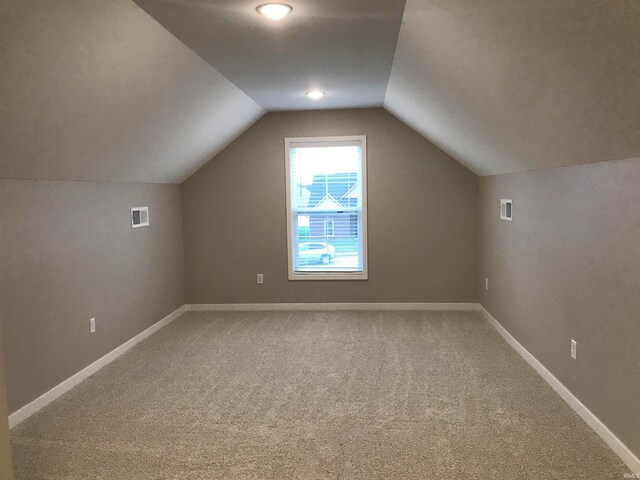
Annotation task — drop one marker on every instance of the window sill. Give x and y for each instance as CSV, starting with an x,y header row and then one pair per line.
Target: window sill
x,y
328,276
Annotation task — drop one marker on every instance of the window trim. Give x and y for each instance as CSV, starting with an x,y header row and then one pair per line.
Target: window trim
x,y
322,142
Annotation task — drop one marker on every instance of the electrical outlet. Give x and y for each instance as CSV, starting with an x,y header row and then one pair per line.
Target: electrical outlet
x,y
260,278
574,349
486,284
92,325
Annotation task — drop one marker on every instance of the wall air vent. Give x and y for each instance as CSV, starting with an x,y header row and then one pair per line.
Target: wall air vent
x,y
506,210
139,217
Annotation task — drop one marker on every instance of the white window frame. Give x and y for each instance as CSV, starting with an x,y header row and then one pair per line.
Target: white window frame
x,y
333,232
291,241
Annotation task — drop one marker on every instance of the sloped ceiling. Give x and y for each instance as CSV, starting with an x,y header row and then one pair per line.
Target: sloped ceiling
x,y
98,90
342,47
511,85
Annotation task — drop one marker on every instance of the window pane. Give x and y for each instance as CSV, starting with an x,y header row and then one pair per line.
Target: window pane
x,y
318,252
326,177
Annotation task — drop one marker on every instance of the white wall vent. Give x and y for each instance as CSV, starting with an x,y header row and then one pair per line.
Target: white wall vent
x,y
506,209
139,217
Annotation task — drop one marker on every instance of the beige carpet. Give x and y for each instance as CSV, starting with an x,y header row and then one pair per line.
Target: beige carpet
x,y
306,395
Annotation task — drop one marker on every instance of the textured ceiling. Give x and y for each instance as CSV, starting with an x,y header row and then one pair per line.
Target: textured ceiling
x,y
97,90
511,85
343,47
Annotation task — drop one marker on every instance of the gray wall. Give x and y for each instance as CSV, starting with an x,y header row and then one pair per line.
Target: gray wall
x,y
568,267
68,254
5,446
423,217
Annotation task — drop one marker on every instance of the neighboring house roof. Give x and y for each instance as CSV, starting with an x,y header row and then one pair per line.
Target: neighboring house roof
x,y
328,203
332,188
352,192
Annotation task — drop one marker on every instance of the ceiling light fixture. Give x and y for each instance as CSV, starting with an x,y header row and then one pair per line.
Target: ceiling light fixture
x,y
275,11
315,94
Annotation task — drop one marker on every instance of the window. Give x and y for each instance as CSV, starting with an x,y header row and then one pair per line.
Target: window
x,y
327,208
328,227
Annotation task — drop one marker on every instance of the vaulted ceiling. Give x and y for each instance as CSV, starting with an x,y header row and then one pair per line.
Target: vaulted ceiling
x,y
95,90
342,47
511,85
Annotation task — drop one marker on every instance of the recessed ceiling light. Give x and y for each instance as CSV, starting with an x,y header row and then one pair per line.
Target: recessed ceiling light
x,y
315,94
274,11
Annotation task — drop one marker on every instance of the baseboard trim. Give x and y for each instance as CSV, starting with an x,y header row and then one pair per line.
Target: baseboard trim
x,y
619,448
57,391
240,307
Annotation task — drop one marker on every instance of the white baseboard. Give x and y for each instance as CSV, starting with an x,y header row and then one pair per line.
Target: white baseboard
x,y
229,307
46,398
619,448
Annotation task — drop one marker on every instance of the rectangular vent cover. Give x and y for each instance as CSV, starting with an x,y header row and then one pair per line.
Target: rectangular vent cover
x,y
506,209
139,217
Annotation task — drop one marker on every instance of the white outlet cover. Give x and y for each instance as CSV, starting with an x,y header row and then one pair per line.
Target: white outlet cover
x,y
574,349
486,284
92,325
260,278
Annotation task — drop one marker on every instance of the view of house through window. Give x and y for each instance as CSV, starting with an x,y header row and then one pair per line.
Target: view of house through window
x,y
326,199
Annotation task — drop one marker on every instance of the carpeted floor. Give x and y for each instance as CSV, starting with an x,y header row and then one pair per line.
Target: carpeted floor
x,y
314,395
